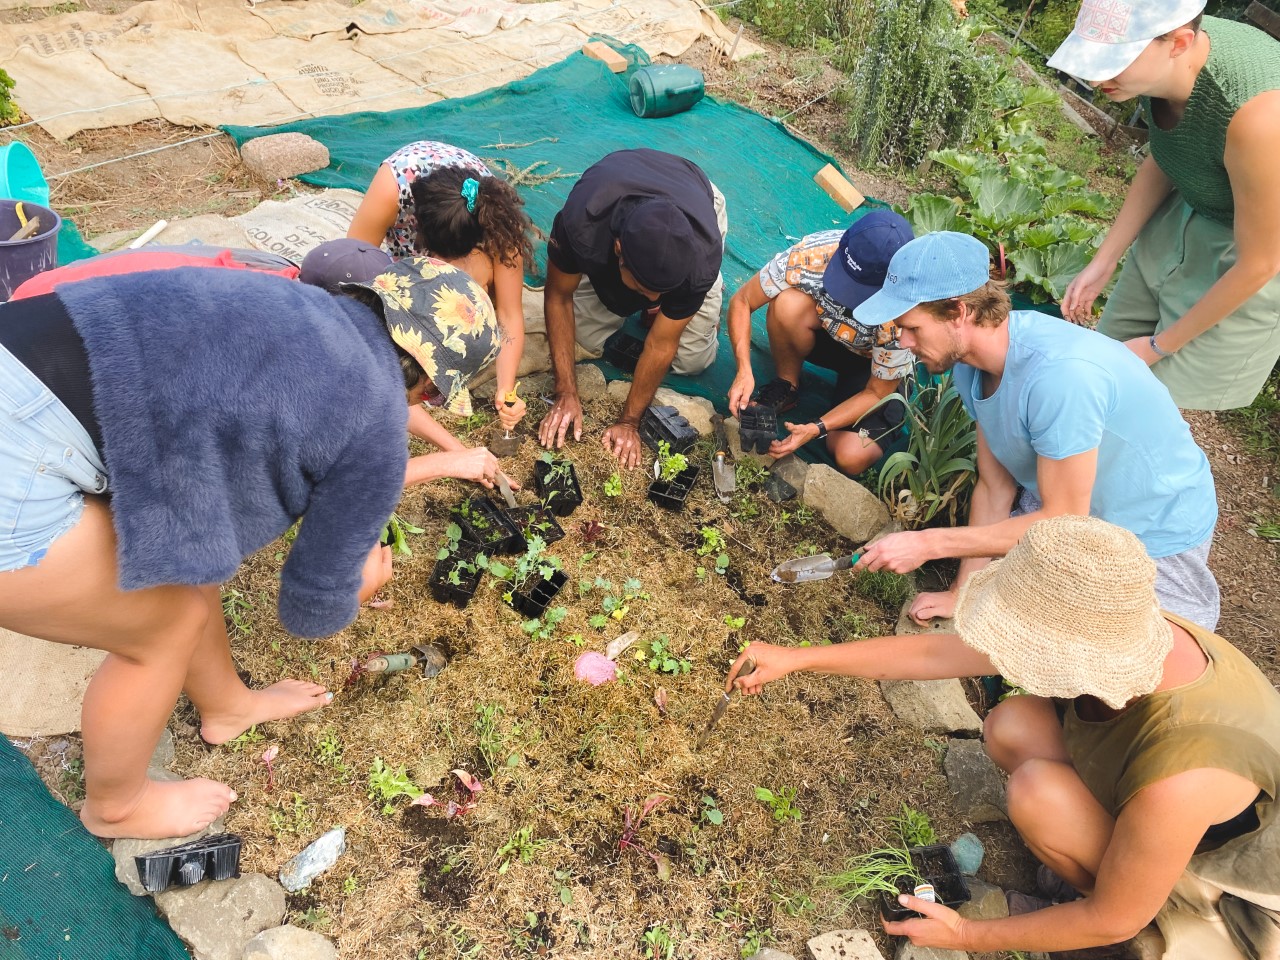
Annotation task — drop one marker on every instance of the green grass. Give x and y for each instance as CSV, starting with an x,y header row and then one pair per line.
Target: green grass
x,y
1259,423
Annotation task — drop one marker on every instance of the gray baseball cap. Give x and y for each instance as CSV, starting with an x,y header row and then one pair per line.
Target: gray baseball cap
x,y
347,260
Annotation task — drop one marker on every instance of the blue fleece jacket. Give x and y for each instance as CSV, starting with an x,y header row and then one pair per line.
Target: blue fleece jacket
x,y
232,404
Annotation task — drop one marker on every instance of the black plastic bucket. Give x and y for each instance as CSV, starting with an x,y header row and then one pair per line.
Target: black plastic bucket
x,y
20,260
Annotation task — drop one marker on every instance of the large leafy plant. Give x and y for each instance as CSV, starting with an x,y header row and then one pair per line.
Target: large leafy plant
x,y
932,478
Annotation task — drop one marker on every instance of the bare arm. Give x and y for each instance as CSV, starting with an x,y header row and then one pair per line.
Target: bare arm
x,y
748,298
454,459
561,329
660,348
508,285
1253,144
378,210
938,656
843,414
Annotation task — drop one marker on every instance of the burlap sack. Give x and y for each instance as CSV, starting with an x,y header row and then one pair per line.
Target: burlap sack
x,y
44,684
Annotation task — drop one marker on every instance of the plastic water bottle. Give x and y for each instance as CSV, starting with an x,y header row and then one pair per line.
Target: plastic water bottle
x,y
318,857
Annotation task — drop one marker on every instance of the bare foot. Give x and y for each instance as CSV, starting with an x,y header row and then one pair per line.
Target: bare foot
x,y
163,809
288,698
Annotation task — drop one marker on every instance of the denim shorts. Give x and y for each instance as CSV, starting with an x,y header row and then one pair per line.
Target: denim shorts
x,y
47,464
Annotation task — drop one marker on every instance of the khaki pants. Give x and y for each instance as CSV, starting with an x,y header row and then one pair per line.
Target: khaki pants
x,y
1202,921
594,321
1177,257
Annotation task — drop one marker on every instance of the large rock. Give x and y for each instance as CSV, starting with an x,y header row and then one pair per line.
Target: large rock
x,y
289,943
909,951
851,508
216,919
844,945
591,382
977,788
125,850
279,156
987,902
792,469
934,706
697,410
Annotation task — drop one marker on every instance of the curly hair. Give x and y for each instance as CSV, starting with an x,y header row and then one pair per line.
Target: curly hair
x,y
499,225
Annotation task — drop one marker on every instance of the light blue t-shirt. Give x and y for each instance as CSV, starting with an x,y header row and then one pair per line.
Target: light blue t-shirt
x,y
1066,390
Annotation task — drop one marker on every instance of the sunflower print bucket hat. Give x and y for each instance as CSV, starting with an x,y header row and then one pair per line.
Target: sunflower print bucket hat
x,y
442,318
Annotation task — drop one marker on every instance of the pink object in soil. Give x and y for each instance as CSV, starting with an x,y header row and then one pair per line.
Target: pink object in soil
x,y
595,668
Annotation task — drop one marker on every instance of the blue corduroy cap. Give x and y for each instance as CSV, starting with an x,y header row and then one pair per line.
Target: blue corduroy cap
x,y
933,267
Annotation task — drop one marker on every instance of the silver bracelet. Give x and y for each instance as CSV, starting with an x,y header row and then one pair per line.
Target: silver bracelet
x,y
1155,347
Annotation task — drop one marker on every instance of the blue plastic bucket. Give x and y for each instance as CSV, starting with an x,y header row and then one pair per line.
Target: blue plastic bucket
x,y
20,260
20,175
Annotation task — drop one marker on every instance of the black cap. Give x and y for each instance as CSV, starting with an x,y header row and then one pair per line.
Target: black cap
x,y
657,245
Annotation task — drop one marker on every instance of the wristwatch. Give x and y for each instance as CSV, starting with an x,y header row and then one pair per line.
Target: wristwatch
x,y
822,429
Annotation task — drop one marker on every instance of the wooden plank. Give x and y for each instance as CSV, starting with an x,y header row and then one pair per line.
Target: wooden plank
x,y
1268,20
840,190
610,57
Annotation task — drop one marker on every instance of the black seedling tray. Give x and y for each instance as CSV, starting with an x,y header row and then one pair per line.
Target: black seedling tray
x,y
497,535
673,494
937,864
567,495
665,423
459,594
534,603
623,351
757,427
536,519
210,858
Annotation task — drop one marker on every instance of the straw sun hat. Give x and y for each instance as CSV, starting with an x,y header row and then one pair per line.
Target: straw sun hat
x,y
1071,610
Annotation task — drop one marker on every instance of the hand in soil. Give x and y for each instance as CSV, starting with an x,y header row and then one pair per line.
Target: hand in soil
x,y
478,464
623,441
931,606
565,413
938,926
160,810
377,571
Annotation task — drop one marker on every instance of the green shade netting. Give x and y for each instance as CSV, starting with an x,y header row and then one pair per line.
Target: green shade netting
x,y
59,898
567,116
71,246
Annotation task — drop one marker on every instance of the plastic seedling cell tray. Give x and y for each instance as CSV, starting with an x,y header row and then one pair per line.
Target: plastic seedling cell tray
x,y
672,494
483,522
623,351
665,423
533,601
536,520
460,593
937,864
560,495
209,858
757,427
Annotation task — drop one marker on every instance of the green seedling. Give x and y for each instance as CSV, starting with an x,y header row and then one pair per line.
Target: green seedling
x,y
722,564
734,623
491,742
661,659
249,737
545,628
520,847
712,541
670,465
387,786
658,944
876,872
890,590
914,828
613,486
750,472
234,607
711,811
460,567
532,565
295,816
395,535
781,803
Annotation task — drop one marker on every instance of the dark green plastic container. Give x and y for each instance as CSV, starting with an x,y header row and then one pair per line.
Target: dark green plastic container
x,y
660,91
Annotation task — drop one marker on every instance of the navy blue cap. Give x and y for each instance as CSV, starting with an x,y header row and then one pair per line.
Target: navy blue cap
x,y
657,246
858,267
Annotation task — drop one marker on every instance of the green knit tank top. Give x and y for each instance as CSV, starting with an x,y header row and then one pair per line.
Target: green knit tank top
x,y
1243,62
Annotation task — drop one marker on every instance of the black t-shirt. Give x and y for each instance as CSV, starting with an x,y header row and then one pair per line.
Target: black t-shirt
x,y
583,234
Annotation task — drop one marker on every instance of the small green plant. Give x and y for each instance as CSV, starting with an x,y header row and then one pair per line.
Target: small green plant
x,y
661,659
670,465
532,565
712,541
387,786
329,751
520,847
234,607
711,812
9,112
658,944
876,872
615,604
460,566
722,564
71,780
613,486
781,803
559,470
314,918
891,590
544,628
249,737
395,535
350,886
734,623
750,472
914,828
1267,529
294,816
491,742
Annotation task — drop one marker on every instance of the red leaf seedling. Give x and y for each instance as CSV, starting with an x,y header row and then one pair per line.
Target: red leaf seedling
x,y
268,758
631,828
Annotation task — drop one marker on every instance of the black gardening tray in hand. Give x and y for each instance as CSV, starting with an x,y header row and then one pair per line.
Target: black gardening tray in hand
x,y
483,522
536,520
757,427
212,858
460,593
540,592
666,424
937,864
561,496
672,494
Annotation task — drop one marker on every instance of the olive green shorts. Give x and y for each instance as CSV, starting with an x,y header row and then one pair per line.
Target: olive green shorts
x,y
1177,257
